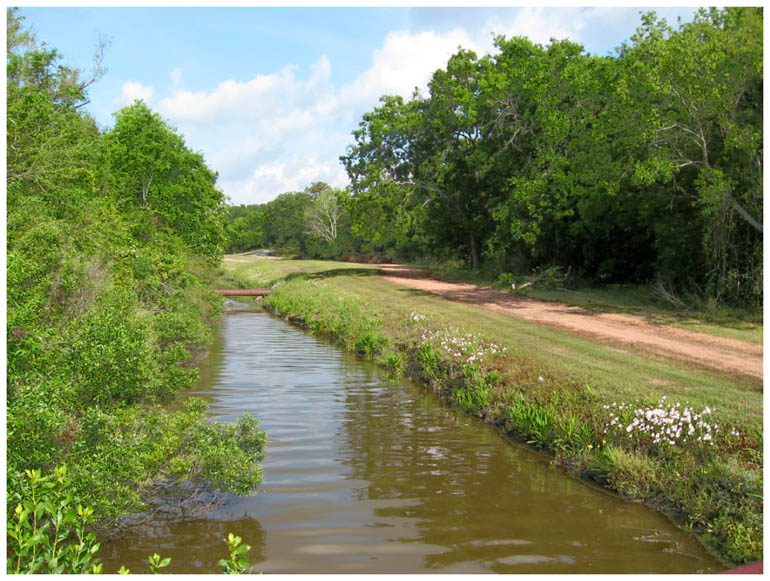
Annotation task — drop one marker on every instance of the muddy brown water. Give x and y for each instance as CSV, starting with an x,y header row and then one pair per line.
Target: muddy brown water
x,y
366,476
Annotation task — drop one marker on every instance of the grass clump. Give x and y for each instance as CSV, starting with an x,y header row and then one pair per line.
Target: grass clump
x,y
631,472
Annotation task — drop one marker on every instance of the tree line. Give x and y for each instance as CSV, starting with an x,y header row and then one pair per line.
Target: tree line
x,y
639,167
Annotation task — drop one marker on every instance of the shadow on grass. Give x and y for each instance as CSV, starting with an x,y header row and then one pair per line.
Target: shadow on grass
x,y
333,273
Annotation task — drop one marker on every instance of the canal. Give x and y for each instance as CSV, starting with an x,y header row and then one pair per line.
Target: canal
x,y
363,475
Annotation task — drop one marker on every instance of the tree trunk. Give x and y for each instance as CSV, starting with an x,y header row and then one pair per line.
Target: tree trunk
x,y
744,214
474,251
146,190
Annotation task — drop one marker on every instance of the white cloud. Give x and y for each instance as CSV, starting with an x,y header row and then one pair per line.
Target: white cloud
x,y
291,175
541,25
404,62
275,92
249,129
133,90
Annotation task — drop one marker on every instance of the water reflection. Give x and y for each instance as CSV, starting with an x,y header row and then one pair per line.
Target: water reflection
x,y
366,477
194,546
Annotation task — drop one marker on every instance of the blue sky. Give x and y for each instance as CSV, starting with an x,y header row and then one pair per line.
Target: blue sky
x,y
270,95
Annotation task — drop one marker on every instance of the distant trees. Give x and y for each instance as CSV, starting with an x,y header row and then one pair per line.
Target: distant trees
x,y
314,222
244,228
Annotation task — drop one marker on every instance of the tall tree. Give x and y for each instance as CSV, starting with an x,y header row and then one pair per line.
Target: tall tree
x,y
323,215
157,174
385,212
451,163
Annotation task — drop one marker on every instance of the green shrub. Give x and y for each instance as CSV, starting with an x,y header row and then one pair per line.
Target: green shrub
x,y
396,362
110,353
573,436
430,362
370,344
473,397
46,529
237,563
536,423
46,533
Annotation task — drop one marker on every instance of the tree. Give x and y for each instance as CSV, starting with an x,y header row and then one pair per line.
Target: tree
x,y
284,224
48,138
697,93
451,161
552,132
385,212
323,214
157,174
245,229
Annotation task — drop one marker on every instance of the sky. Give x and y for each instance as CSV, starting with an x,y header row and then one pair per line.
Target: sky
x,y
271,95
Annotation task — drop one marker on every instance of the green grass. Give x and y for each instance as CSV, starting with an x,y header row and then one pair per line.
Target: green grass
x,y
550,388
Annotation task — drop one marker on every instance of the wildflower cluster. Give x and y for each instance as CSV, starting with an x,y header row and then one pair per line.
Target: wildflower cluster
x,y
416,317
662,424
456,345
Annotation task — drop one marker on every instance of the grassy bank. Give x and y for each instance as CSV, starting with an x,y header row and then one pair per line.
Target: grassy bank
x,y
599,410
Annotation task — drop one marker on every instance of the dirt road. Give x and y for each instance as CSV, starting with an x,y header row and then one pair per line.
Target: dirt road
x,y
723,354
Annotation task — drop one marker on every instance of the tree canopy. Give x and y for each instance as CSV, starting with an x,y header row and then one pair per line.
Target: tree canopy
x,y
641,166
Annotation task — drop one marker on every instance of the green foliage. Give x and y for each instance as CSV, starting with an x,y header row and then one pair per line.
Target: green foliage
x,y
46,533
141,445
476,392
156,175
245,228
109,353
370,344
156,563
473,398
535,422
396,362
325,311
574,437
284,222
46,529
430,362
237,563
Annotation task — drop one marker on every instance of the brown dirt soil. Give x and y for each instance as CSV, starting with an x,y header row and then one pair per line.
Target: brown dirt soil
x,y
722,354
